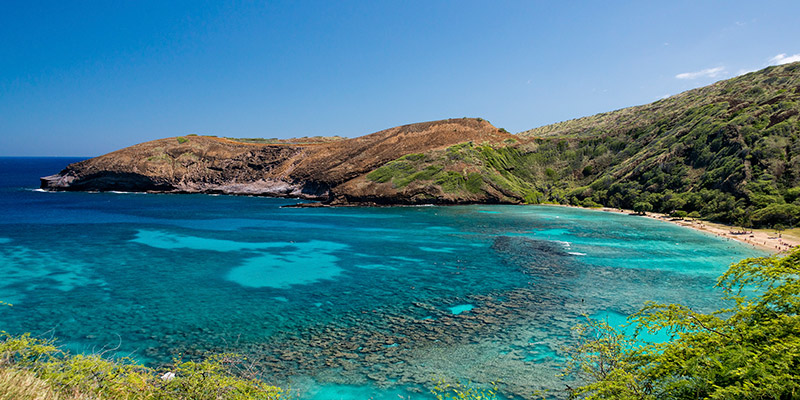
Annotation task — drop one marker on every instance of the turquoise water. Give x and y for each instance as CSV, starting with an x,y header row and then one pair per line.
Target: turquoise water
x,y
338,303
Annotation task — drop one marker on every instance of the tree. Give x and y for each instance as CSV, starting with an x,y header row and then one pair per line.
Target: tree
x,y
642,207
680,214
788,214
748,351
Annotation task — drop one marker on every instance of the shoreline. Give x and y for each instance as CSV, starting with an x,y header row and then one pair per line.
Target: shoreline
x,y
764,239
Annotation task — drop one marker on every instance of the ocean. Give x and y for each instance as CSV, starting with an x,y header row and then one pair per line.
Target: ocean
x,y
336,303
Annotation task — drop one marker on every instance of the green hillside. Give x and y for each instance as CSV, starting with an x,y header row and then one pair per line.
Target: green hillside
x,y
729,152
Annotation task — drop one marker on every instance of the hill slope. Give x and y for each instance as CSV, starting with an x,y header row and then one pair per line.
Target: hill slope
x,y
729,152
203,164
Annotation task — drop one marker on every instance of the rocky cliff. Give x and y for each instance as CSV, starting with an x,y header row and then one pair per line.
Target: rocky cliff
x,y
315,170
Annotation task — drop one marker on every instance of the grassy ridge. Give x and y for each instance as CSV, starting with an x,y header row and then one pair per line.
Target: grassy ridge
x,y
728,152
463,170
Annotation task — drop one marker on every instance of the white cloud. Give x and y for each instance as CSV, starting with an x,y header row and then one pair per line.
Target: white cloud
x,y
783,59
706,73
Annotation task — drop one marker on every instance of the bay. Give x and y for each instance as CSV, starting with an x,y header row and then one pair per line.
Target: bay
x,y
338,303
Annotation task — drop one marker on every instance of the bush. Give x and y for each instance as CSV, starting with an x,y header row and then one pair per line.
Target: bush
x,y
642,207
182,140
458,391
786,214
748,351
680,214
590,204
217,377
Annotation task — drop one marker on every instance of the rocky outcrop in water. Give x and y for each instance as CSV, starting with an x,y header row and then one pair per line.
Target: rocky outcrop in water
x,y
317,170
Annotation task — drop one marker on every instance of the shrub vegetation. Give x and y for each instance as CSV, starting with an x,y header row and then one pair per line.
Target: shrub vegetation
x,y
729,152
750,350
32,368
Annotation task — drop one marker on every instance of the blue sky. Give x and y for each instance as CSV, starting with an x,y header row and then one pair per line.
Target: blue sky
x,y
82,78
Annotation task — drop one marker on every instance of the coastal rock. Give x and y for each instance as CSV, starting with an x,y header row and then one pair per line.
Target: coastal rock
x,y
329,171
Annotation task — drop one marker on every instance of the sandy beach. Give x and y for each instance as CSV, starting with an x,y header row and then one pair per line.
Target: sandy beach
x,y
766,239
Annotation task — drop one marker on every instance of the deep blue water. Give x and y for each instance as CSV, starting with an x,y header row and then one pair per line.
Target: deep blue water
x,y
339,303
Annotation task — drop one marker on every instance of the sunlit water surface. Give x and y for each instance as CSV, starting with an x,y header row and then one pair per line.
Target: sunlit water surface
x,y
338,303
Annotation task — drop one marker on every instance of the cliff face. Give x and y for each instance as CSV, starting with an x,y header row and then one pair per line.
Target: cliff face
x,y
318,171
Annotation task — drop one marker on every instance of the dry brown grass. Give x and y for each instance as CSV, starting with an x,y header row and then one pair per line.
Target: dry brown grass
x,y
24,385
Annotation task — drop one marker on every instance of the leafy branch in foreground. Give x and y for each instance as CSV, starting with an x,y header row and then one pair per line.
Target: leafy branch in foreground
x,y
600,357
748,351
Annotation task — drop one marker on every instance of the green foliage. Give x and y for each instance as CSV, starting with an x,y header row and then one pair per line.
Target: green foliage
x,y
399,168
792,194
474,182
222,376
642,207
787,214
533,197
729,152
450,181
211,379
680,214
590,204
447,391
748,351
182,140
504,168
24,350
601,358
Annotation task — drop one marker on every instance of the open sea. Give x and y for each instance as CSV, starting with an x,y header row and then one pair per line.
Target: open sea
x,y
336,303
